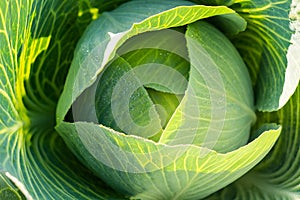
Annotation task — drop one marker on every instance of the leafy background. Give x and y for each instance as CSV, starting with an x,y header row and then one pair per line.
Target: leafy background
x,y
37,41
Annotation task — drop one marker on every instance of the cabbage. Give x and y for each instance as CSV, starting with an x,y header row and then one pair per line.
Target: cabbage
x,y
149,99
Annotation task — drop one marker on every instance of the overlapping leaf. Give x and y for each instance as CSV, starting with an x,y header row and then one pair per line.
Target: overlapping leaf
x,y
114,28
217,111
148,170
277,176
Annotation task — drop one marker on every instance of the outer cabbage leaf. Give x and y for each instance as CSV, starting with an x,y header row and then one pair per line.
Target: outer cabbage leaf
x,y
146,170
270,47
37,42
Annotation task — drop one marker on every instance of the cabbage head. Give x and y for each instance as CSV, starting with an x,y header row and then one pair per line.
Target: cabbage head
x,y
149,99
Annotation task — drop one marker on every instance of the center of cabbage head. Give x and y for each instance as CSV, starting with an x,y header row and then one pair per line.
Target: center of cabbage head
x,y
142,86
178,88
